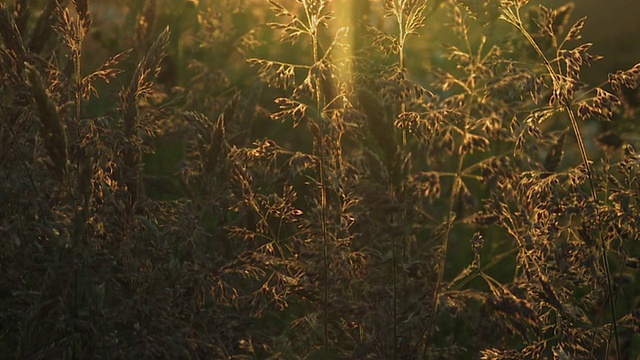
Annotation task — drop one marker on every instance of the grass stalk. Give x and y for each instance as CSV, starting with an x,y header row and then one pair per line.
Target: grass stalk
x,y
610,298
315,43
514,18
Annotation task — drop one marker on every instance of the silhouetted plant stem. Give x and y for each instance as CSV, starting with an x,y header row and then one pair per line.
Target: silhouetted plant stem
x,y
601,244
323,190
443,257
513,17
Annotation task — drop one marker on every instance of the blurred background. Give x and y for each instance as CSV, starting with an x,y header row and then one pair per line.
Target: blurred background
x,y
613,26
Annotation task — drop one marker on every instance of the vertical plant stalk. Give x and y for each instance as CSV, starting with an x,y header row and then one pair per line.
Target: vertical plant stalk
x,y
141,86
394,255
406,26
403,220
443,259
78,30
76,52
601,244
313,32
513,17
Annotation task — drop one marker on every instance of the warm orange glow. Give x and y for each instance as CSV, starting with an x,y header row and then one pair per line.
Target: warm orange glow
x,y
346,21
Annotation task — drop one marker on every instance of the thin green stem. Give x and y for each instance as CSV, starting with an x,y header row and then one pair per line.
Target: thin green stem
x,y
601,245
445,244
323,190
401,61
514,18
483,268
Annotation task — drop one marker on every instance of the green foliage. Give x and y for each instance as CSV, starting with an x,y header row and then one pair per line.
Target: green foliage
x,y
251,180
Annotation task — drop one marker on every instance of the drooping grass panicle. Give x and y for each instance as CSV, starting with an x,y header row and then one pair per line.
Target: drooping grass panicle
x,y
51,126
142,82
11,37
106,72
84,16
44,31
140,87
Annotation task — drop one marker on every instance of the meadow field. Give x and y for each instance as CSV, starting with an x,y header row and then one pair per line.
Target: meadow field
x,y
316,179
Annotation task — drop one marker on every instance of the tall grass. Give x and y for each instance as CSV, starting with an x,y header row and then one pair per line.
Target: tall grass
x,y
247,180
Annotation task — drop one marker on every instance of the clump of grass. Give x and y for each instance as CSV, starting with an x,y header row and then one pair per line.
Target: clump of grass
x,y
321,200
